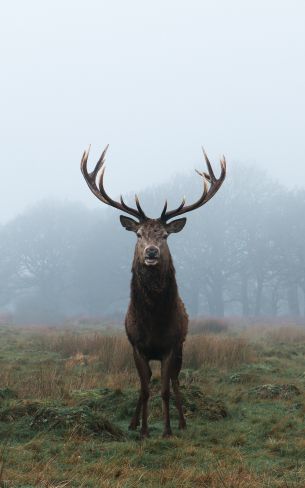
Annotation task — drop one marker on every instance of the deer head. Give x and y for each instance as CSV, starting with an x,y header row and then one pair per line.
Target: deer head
x,y
151,247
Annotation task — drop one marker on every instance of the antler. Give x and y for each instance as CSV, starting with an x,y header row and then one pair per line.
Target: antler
x,y
95,181
207,194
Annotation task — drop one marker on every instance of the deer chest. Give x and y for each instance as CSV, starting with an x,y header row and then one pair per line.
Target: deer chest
x,y
153,340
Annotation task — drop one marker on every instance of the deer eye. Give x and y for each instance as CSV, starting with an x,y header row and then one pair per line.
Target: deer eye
x,y
139,235
165,236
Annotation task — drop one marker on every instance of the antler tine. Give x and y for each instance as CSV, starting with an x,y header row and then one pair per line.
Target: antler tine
x,y
223,164
100,162
139,207
95,181
164,210
91,177
181,204
207,176
98,165
167,215
207,193
205,183
210,169
100,185
84,161
123,203
121,206
130,209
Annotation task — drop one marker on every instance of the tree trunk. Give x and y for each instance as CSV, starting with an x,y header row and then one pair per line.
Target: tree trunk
x,y
192,302
258,296
215,295
274,301
293,300
244,295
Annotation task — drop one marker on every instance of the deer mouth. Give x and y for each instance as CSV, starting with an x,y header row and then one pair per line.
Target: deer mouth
x,y
151,261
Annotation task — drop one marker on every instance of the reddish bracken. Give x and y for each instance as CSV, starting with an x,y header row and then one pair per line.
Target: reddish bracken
x,y
156,321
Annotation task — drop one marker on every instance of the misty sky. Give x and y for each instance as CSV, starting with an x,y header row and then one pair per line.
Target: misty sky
x,y
155,80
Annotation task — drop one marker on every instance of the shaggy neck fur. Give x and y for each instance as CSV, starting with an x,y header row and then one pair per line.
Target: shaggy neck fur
x,y
153,287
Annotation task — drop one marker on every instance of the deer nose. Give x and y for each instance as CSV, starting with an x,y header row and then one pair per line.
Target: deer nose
x,y
152,252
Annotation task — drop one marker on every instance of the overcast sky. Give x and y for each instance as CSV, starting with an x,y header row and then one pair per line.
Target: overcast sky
x,y
155,80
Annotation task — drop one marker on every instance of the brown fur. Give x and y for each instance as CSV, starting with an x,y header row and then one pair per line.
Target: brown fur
x,y
156,322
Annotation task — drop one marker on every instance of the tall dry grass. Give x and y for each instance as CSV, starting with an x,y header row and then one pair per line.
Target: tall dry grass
x,y
55,363
217,351
273,334
114,354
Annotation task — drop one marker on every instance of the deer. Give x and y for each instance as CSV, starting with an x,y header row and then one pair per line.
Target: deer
x,y
156,321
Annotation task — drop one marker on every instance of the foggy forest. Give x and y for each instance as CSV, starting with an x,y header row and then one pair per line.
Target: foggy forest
x,y
243,254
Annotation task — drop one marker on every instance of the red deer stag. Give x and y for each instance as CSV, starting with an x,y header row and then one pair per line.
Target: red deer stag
x,y
156,322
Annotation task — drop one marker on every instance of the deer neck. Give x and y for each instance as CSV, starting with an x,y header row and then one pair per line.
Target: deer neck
x,y
153,285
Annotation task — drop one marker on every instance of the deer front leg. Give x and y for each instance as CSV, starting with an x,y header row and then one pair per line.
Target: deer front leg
x,y
135,421
166,365
144,372
176,367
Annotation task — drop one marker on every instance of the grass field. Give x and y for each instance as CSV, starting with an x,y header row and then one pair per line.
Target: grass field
x,y
66,397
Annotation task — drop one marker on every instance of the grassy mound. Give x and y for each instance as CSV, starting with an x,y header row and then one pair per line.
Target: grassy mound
x,y
40,416
242,378
79,419
195,402
284,392
7,394
14,410
114,403
121,404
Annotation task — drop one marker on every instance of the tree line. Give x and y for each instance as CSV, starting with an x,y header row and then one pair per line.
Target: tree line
x,y
241,254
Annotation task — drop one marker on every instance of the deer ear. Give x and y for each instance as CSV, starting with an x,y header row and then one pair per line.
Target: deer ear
x,y
175,225
129,223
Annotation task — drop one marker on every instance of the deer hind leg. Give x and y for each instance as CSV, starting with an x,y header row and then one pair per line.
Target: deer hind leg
x,y
144,372
166,365
176,367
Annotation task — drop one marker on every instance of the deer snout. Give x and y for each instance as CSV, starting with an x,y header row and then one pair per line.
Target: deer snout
x,y
151,255
152,252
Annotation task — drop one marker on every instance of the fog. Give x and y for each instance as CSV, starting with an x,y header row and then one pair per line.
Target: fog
x,y
243,254
155,80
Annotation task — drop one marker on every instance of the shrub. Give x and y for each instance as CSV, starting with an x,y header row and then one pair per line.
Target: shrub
x,y
210,325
